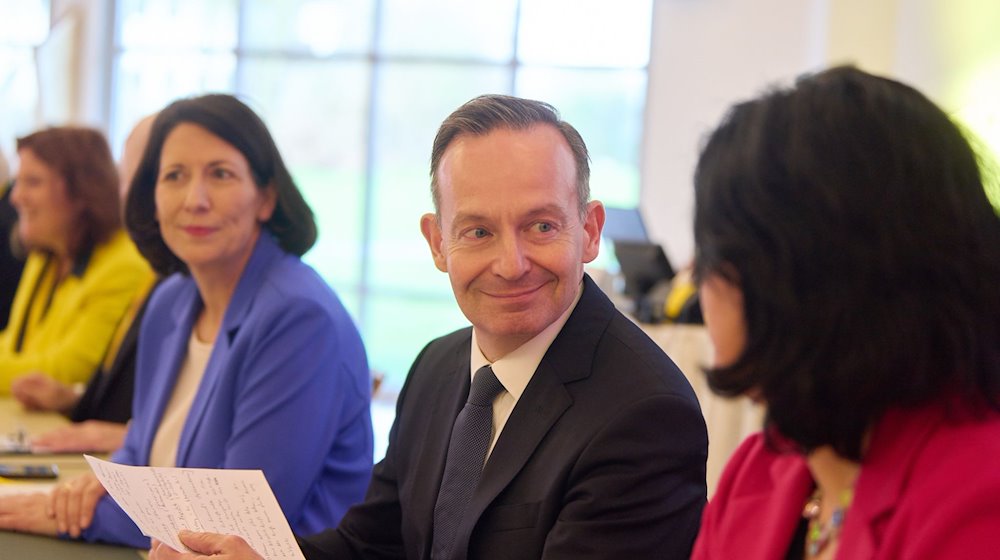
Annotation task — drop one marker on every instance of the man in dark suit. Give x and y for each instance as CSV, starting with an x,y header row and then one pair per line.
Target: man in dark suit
x,y
597,445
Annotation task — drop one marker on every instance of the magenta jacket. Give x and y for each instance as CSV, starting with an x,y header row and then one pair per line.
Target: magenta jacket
x,y
929,488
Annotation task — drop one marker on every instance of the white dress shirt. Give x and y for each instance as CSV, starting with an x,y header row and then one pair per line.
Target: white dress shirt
x,y
516,368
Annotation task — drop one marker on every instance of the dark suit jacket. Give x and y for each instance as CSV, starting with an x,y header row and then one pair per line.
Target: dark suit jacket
x,y
10,264
602,457
109,392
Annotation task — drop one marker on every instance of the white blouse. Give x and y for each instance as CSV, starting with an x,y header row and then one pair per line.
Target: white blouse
x,y
168,435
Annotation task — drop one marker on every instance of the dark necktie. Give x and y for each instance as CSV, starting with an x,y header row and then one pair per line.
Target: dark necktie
x,y
470,439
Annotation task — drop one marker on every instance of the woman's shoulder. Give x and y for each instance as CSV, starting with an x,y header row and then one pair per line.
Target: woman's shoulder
x,y
965,448
949,488
295,282
116,255
939,459
176,289
755,466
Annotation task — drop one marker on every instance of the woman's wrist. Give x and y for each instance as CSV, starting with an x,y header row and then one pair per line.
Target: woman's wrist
x,y
68,396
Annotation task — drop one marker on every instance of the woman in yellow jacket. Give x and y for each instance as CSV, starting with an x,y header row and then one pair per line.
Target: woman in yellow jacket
x,y
82,271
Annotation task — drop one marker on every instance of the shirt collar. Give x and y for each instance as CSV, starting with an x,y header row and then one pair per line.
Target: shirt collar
x,y
82,261
516,368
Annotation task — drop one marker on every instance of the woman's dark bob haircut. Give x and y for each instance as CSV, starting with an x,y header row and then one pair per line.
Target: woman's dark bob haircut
x,y
851,212
292,224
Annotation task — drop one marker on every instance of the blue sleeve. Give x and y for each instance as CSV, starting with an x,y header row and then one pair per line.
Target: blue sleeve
x,y
307,395
298,394
112,525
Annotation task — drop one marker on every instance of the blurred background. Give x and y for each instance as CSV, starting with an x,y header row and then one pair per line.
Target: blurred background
x,y
354,90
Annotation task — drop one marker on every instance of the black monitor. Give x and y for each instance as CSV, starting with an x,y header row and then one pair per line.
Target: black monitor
x,y
643,264
624,224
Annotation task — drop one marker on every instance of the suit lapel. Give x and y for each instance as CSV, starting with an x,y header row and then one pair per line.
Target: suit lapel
x,y
175,341
569,358
769,513
898,438
265,252
545,399
206,389
449,390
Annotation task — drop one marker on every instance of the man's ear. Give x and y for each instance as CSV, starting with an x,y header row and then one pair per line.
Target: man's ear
x,y
593,224
431,228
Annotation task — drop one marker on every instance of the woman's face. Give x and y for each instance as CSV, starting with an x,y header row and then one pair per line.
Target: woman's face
x,y
722,306
46,215
209,209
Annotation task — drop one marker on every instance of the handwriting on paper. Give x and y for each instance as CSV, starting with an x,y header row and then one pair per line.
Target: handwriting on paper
x,y
162,501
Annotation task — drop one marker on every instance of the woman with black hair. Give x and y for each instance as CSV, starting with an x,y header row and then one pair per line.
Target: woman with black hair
x,y
849,266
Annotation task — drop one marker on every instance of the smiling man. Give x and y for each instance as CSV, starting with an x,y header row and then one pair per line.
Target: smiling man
x,y
580,438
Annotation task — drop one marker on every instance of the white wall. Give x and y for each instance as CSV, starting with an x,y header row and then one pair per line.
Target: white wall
x,y
708,54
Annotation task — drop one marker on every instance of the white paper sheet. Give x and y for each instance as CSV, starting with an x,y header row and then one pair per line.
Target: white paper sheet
x,y
162,501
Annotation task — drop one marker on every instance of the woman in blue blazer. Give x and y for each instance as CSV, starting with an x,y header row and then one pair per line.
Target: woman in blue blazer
x,y
246,358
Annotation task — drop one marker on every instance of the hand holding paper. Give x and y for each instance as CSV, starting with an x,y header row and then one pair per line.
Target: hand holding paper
x,y
219,547
164,501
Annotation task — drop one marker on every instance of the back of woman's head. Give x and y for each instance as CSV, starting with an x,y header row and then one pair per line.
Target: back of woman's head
x,y
852,213
292,223
82,158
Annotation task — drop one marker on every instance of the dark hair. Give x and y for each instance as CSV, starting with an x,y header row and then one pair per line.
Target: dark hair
x,y
292,222
81,156
486,113
851,212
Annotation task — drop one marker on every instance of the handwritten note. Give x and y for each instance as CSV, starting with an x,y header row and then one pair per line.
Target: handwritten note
x,y
162,501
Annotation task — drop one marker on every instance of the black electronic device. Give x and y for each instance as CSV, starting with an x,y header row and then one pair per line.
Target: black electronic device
x,y
624,224
643,264
29,471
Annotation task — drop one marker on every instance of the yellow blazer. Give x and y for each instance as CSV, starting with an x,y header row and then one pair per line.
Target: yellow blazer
x,y
68,338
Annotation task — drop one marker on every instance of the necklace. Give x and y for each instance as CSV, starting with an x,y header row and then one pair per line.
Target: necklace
x,y
821,534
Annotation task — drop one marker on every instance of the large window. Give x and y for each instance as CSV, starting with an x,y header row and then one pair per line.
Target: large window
x,y
24,24
354,91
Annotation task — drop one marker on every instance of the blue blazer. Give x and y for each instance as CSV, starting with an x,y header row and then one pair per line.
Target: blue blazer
x,y
286,390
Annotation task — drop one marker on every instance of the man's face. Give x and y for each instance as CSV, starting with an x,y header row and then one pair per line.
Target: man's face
x,y
510,235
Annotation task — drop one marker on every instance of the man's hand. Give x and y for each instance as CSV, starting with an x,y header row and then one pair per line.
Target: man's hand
x,y
37,391
88,436
26,513
219,547
72,503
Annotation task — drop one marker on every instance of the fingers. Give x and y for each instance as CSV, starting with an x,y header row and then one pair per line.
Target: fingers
x,y
91,494
89,436
55,440
57,506
160,551
205,543
214,544
25,388
73,503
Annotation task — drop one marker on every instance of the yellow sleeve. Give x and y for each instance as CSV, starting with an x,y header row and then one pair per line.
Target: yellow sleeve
x,y
70,340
